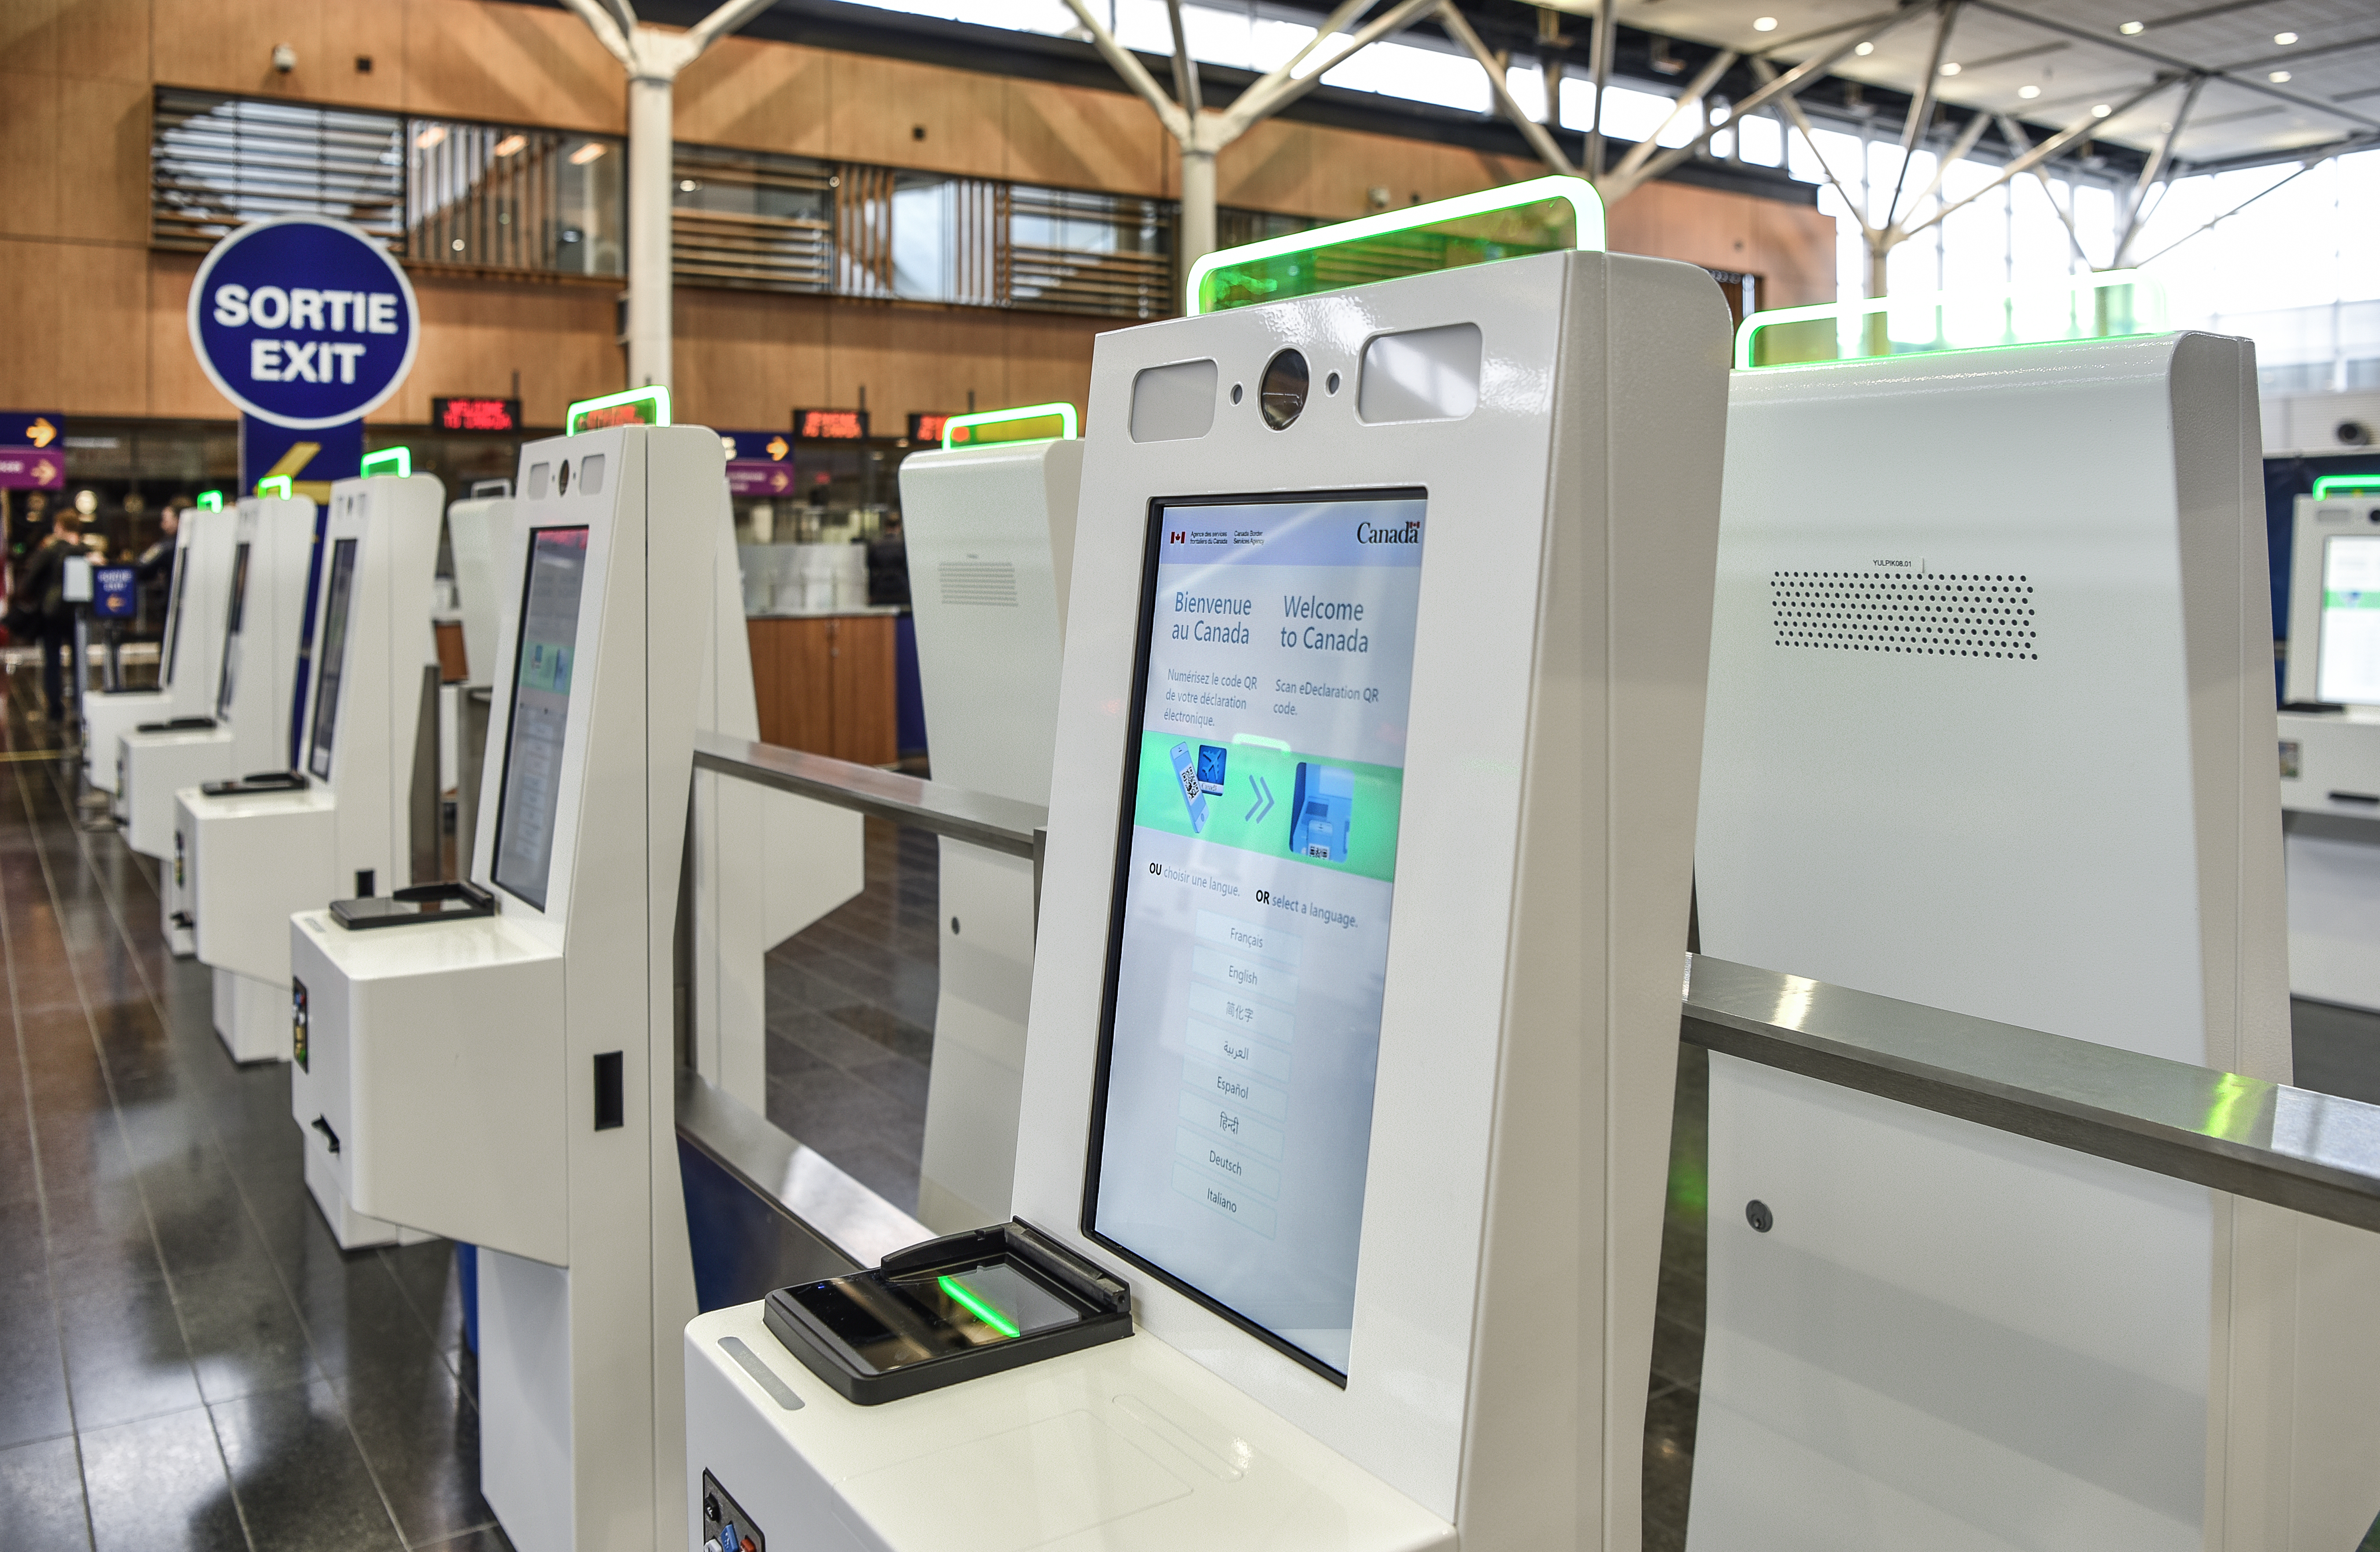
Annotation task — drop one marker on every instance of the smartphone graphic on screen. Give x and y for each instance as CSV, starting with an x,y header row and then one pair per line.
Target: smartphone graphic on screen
x,y
1185,773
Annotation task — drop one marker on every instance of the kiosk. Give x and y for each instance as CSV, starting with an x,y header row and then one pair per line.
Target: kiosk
x,y
183,694
477,531
989,524
1389,1221
1991,730
494,1061
2330,745
255,676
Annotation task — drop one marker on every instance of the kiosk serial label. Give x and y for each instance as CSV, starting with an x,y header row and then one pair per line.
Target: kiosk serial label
x,y
1257,878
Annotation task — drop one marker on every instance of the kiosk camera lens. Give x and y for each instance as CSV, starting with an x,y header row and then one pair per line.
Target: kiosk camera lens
x,y
1281,392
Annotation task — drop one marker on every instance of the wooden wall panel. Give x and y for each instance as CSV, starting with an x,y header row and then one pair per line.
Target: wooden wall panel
x,y
103,38
758,97
875,106
103,159
28,153
1797,246
1070,138
915,357
171,383
476,335
745,358
514,64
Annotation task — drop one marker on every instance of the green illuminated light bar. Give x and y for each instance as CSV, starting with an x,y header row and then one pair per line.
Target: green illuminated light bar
x,y
636,406
210,501
1047,422
2346,485
2105,305
974,1304
275,485
1543,216
397,461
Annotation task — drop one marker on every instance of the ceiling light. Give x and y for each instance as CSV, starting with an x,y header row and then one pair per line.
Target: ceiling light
x,y
429,137
2100,110
2028,93
2133,29
511,145
1764,24
1950,69
2284,39
2278,77
587,153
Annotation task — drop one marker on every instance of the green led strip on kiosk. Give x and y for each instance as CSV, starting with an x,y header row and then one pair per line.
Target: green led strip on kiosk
x,y
1045,422
2109,304
275,485
2331,485
974,1304
210,501
1543,216
397,461
635,407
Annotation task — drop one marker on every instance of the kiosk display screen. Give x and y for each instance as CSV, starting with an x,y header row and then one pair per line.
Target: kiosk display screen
x,y
334,657
231,633
2348,669
527,802
1232,1120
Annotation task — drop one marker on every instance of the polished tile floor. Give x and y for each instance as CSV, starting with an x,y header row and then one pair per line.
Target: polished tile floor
x,y
187,1359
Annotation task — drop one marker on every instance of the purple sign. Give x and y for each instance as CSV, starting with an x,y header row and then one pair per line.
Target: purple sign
x,y
32,450
759,463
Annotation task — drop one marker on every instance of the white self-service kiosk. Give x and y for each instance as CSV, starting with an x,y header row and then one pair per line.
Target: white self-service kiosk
x,y
184,695
2330,745
255,677
1351,1053
1991,730
990,528
254,849
495,1059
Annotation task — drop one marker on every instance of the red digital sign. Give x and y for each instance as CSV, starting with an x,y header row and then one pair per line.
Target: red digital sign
x,y
831,425
475,415
928,428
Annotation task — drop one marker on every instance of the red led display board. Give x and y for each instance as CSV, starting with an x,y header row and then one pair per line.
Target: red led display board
x,y
831,425
928,428
475,415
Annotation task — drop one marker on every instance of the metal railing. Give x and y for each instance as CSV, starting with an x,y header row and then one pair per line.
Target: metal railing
x,y
2311,1153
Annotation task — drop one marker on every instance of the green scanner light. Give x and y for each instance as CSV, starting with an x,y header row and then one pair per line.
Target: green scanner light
x,y
2104,306
974,1304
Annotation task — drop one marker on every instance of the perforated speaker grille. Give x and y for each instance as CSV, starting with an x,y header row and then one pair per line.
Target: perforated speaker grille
x,y
1935,615
988,582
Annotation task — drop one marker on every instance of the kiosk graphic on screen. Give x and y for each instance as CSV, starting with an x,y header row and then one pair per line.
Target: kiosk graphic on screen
x,y
2348,668
525,804
230,675
334,657
1234,1113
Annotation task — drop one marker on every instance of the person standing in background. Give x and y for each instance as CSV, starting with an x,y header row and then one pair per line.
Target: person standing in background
x,y
41,591
154,569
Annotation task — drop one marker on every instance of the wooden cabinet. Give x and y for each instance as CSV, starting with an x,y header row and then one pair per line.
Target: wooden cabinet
x,y
825,684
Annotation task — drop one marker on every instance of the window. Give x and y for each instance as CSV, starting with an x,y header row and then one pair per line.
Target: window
x,y
217,162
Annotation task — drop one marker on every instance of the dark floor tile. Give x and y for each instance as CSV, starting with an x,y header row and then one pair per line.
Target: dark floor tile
x,y
421,1437
485,1538
828,1039
126,1358
302,1483
353,1309
158,1484
425,1273
1677,1351
903,1079
913,1042
1669,1460
33,1376
40,1499
244,1336
2338,1049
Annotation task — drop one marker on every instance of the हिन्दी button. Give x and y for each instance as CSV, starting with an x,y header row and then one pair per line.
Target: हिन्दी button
x,y
1228,1162
1227,1200
1233,1123
1230,932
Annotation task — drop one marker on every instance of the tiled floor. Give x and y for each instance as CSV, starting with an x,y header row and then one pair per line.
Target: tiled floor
x,y
187,1359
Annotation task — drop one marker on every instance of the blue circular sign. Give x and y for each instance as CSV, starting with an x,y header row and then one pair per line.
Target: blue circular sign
x,y
303,322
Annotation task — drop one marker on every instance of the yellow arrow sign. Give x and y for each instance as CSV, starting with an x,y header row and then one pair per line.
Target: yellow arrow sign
x,y
300,454
41,432
777,449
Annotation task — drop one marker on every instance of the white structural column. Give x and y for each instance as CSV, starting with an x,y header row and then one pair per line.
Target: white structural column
x,y
653,58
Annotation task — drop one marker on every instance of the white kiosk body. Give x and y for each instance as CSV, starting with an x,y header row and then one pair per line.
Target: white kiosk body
x,y
1991,730
506,1080
991,537
250,858
185,691
1393,1222
2330,759
255,674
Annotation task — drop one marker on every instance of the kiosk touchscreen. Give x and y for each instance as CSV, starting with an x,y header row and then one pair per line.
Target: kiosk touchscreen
x,y
253,849
255,674
493,1061
477,530
183,694
1354,1009
989,520
1993,734
2331,745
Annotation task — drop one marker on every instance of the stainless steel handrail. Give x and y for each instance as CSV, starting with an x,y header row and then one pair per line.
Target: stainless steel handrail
x,y
803,1183
998,824
2313,1153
